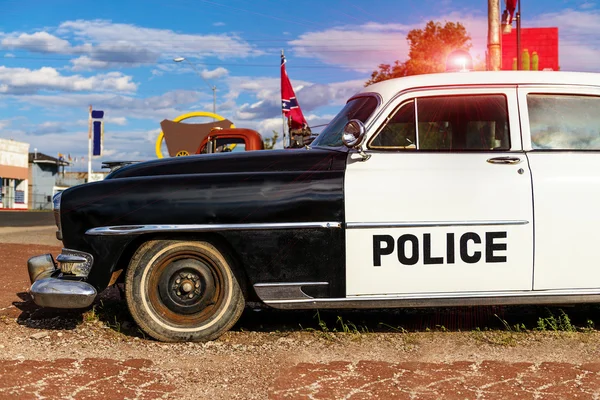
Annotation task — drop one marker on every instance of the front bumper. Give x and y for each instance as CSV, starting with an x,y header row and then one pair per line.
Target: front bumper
x,y
50,288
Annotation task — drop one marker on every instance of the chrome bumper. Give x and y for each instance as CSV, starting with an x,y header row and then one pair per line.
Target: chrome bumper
x,y
53,292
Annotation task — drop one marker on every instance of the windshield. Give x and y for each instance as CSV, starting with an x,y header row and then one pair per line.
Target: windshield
x,y
359,108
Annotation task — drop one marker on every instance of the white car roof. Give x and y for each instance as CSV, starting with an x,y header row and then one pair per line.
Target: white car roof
x,y
391,87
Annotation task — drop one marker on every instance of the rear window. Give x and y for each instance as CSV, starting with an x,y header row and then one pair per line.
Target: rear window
x,y
564,122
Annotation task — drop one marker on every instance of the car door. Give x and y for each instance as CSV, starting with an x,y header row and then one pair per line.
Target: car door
x,y
443,204
561,136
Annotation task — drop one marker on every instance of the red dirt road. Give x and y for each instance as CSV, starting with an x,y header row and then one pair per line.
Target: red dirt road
x,y
91,378
15,281
458,380
55,355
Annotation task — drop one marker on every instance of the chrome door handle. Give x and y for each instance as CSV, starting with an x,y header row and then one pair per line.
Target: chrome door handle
x,y
504,160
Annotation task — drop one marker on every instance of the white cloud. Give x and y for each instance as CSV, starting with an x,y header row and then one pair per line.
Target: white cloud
x,y
577,30
9,55
364,47
24,81
219,24
345,46
122,121
131,44
135,145
102,44
85,63
215,73
267,92
155,108
357,48
49,127
4,123
40,42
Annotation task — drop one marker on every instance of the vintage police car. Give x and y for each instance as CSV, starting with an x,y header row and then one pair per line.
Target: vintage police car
x,y
448,189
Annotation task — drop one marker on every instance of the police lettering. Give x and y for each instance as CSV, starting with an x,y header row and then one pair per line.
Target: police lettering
x,y
408,249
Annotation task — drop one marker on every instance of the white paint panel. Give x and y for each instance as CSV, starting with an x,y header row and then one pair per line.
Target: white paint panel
x,y
567,217
462,187
445,188
566,192
392,277
411,186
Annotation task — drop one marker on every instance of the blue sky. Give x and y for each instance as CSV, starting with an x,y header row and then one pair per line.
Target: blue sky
x,y
58,57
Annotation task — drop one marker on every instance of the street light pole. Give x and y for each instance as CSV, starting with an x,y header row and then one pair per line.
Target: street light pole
x,y
519,55
507,28
494,50
212,87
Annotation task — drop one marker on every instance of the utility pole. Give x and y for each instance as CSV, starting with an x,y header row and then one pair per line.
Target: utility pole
x,y
89,145
494,50
212,87
282,115
519,55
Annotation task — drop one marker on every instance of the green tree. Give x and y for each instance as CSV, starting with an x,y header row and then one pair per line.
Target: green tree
x,y
270,142
429,48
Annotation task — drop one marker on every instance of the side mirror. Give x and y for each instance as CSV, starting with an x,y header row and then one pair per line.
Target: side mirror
x,y
354,133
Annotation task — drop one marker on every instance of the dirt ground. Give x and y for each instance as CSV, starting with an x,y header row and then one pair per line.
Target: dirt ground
x,y
468,353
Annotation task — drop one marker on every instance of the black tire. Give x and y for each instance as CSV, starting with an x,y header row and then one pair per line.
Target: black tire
x,y
182,291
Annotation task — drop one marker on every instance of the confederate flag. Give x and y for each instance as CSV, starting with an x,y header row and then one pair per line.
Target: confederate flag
x,y
289,103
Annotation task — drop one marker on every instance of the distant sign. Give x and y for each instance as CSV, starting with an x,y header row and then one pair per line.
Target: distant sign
x,y
544,41
97,138
95,177
97,114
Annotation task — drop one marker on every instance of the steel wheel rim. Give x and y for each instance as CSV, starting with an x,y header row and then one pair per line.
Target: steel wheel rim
x,y
175,309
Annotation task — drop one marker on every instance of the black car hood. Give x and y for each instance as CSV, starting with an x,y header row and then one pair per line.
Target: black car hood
x,y
251,161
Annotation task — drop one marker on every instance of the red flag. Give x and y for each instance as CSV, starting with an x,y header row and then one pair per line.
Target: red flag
x,y
289,103
511,6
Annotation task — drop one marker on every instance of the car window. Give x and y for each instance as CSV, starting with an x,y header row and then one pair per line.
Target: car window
x,y
359,108
224,145
447,123
564,122
399,131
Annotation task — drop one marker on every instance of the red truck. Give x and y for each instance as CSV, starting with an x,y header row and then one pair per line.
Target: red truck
x,y
231,139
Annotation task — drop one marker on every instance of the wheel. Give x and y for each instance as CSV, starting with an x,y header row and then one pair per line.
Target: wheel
x,y
182,291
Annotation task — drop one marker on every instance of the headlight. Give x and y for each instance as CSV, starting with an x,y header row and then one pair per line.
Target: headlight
x,y
75,262
56,210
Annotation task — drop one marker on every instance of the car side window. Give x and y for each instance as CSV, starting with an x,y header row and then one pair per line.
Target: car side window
x,y
564,122
447,123
399,131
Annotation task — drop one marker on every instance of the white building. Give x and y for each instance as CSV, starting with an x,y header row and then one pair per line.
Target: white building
x,y
13,174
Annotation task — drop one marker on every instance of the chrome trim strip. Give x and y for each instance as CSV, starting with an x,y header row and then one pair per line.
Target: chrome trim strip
x,y
137,229
69,258
279,284
445,300
276,291
368,94
419,224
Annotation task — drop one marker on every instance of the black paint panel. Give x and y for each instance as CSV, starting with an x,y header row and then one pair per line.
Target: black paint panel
x,y
306,255
251,161
233,188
